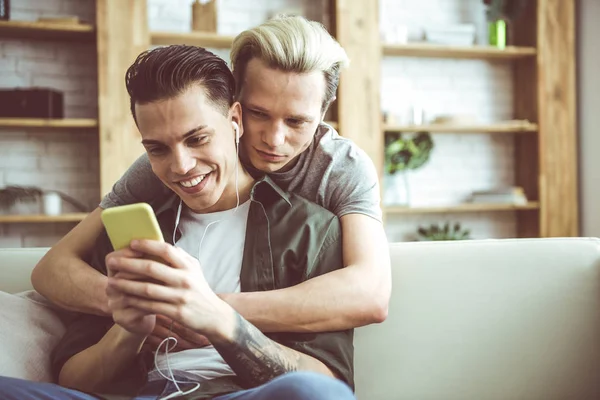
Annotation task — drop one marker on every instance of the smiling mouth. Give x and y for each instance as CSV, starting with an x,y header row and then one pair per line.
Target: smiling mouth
x,y
193,182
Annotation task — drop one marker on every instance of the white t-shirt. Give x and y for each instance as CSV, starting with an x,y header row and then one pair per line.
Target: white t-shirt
x,y
217,241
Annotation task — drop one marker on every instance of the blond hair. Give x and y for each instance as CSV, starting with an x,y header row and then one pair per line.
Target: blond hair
x,y
291,44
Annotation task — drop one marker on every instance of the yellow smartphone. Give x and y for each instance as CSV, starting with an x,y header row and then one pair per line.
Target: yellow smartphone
x,y
133,221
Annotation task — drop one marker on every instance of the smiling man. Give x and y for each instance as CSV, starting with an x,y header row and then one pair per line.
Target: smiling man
x,y
225,232
287,72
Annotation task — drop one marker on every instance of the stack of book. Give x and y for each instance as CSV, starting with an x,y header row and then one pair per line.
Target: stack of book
x,y
510,195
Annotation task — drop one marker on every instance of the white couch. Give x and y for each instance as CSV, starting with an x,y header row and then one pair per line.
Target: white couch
x,y
499,319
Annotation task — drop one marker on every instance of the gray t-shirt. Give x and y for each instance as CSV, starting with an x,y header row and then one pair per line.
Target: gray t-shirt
x,y
333,172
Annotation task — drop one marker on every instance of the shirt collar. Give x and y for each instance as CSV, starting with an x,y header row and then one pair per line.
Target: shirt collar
x,y
272,190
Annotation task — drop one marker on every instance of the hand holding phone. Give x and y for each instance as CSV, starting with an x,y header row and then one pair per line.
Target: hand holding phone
x,y
134,221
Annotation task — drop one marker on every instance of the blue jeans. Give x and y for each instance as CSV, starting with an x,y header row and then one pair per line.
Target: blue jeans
x,y
292,386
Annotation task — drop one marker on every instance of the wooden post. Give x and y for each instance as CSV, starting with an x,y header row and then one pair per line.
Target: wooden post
x,y
359,115
557,117
527,147
122,28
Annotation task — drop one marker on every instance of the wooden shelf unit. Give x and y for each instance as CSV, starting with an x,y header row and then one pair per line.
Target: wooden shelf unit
x,y
47,31
542,63
67,123
18,219
461,208
448,128
545,163
202,39
465,52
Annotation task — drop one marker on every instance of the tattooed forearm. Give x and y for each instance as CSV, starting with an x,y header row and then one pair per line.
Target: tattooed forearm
x,y
256,359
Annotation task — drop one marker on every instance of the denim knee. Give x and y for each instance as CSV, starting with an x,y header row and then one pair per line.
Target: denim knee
x,y
19,389
309,386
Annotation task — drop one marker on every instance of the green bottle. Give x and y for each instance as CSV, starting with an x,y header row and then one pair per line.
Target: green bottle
x,y
497,33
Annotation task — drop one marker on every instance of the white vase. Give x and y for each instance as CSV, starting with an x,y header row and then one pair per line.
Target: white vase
x,y
51,203
396,189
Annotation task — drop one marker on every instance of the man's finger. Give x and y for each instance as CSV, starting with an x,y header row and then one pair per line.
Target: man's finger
x,y
145,290
163,330
164,321
128,275
161,250
188,338
189,335
122,253
155,339
149,269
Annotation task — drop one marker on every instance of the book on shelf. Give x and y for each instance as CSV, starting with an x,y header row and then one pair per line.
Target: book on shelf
x,y
510,195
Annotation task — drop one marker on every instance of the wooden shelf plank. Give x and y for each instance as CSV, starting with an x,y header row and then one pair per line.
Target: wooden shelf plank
x,y
202,39
448,128
70,123
468,52
46,30
16,219
461,208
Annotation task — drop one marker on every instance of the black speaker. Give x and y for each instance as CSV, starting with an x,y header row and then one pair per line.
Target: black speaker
x,y
31,103
5,9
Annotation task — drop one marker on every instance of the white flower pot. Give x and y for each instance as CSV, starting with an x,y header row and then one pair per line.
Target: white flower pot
x,y
396,189
51,203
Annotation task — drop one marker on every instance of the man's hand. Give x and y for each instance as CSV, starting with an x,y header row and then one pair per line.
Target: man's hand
x,y
186,338
183,293
131,319
186,298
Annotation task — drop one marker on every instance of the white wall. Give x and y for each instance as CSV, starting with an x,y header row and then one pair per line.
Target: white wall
x,y
460,163
67,161
589,115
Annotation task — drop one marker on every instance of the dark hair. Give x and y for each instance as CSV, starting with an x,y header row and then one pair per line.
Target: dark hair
x,y
165,72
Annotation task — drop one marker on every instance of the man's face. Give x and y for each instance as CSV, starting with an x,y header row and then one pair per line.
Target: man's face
x,y
281,112
191,147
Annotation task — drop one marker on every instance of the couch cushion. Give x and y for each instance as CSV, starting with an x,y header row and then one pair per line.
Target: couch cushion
x,y
31,327
497,319
16,266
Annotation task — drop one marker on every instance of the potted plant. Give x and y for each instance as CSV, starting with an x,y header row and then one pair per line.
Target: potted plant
x,y
445,232
26,200
499,14
403,153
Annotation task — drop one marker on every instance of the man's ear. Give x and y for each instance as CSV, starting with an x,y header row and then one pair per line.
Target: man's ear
x,y
235,115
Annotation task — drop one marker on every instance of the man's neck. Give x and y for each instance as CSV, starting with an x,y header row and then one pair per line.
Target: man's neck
x,y
229,197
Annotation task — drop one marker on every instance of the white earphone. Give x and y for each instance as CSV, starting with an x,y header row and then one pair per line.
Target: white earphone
x,y
236,128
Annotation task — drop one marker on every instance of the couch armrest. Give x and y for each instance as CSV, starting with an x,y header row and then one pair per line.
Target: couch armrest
x,y
16,266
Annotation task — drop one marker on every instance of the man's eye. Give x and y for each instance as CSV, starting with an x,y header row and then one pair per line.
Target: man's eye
x,y
295,122
258,114
197,140
156,151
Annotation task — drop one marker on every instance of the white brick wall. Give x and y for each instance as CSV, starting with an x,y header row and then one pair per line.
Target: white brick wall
x,y
49,159
68,161
30,10
233,16
460,163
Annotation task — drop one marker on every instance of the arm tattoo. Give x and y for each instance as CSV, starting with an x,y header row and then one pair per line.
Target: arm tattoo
x,y
255,358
